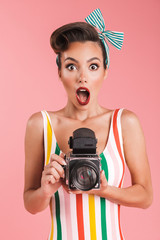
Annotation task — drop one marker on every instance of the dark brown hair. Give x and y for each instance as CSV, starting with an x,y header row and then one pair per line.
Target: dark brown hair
x,y
74,32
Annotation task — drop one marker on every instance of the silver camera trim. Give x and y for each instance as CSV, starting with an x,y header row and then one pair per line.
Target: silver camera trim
x,y
70,157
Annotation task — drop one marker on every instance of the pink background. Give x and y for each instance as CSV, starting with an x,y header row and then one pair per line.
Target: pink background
x,y
29,83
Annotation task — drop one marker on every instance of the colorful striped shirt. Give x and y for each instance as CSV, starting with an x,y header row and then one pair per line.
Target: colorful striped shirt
x,y
83,216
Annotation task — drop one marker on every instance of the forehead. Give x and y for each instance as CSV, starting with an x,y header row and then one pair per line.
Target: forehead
x,y
87,49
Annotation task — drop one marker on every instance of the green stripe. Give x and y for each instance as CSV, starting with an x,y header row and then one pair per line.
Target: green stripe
x,y
57,151
103,201
57,202
59,230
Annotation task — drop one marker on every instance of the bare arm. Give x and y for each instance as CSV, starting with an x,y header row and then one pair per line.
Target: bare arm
x,y
40,182
140,193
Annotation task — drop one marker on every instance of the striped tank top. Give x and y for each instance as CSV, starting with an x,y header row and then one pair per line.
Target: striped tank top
x,y
83,216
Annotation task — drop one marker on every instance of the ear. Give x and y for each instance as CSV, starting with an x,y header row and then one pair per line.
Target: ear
x,y
105,73
59,73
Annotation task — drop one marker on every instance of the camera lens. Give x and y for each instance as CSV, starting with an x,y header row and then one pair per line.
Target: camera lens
x,y
84,175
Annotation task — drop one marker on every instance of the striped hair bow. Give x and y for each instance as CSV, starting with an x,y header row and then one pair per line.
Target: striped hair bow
x,y
115,38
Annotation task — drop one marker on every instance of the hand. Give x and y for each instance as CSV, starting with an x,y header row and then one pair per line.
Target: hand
x,y
52,175
99,192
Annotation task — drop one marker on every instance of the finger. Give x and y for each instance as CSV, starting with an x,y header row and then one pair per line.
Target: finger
x,y
68,190
65,187
54,168
59,159
52,171
49,179
92,191
103,179
58,168
62,155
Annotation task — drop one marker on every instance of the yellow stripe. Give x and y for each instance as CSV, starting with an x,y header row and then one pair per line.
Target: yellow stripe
x,y
92,217
49,145
52,223
49,140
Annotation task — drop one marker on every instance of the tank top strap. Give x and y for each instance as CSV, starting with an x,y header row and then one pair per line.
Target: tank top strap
x,y
49,137
117,131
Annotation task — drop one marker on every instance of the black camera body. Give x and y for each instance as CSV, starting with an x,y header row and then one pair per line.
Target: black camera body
x,y
82,170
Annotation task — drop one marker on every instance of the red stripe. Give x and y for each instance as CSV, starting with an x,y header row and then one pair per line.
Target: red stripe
x,y
116,136
119,222
80,223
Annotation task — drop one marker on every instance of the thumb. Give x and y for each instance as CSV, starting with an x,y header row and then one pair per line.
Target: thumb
x,y
104,182
62,155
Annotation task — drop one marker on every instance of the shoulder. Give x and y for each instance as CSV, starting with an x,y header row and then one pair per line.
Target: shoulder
x,y
129,118
130,123
35,120
34,125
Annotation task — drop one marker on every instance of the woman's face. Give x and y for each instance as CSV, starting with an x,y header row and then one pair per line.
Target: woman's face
x,y
82,72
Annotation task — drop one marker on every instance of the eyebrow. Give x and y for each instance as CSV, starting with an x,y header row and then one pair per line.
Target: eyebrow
x,y
94,58
89,60
72,59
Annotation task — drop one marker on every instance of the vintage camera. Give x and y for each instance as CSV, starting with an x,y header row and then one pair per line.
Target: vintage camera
x,y
82,170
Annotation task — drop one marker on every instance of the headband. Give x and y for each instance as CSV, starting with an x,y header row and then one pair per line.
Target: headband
x,y
95,19
115,38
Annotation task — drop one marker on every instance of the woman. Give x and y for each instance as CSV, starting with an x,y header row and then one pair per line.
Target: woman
x,y
83,62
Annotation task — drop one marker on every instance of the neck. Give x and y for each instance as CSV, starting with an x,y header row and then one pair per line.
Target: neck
x,y
82,113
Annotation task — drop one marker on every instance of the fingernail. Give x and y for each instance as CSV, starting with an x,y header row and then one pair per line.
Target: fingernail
x,y
64,163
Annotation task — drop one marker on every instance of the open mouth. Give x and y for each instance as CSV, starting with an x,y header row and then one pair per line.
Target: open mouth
x,y
83,95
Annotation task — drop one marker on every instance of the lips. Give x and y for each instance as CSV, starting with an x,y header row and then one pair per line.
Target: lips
x,y
83,95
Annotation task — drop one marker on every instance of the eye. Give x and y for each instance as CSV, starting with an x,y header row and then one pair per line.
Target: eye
x,y
94,66
71,67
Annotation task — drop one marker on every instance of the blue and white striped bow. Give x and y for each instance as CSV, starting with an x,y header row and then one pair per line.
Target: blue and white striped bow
x,y
115,38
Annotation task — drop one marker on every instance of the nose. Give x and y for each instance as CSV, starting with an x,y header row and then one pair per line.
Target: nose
x,y
82,77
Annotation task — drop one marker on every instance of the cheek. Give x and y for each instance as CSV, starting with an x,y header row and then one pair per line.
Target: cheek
x,y
67,79
97,79
65,75
98,74
67,84
68,75
97,84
